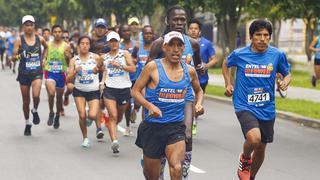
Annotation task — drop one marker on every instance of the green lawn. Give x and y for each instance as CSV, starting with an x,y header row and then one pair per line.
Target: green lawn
x,y
299,78
301,107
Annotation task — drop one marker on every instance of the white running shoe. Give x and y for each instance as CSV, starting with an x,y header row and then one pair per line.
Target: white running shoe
x,y
115,146
127,132
85,143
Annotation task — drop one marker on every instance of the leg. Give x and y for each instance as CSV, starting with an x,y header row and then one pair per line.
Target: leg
x,y
59,99
253,141
51,91
317,71
111,106
69,90
121,110
93,109
81,107
188,121
257,158
175,155
36,89
25,92
151,168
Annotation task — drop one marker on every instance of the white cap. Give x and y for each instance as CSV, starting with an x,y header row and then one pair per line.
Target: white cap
x,y
171,35
113,35
28,18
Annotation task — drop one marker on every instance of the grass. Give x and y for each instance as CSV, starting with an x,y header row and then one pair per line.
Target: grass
x,y
301,107
299,78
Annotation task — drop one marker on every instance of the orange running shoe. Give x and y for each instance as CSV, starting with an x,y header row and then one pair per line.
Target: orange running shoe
x,y
244,168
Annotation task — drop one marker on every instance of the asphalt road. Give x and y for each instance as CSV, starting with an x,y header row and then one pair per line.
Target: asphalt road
x,y
56,154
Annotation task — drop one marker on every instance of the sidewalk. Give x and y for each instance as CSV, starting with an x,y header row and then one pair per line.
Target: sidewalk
x,y
293,92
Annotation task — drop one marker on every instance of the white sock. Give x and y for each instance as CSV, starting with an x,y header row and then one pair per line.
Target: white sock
x,y
34,110
28,122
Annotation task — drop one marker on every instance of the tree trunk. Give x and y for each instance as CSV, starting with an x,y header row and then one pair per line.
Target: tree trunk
x,y
308,37
276,28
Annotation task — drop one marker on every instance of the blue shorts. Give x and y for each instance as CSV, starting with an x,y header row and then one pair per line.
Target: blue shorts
x,y
59,78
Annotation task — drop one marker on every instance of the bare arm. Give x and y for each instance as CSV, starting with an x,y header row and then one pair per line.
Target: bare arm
x,y
227,78
197,90
196,53
156,49
67,53
130,67
285,82
45,48
143,80
16,48
313,43
71,71
212,61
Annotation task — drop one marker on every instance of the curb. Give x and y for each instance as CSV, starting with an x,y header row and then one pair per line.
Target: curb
x,y
303,121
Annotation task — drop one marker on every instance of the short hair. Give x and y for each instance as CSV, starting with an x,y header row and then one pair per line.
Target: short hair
x,y
171,9
84,37
46,29
146,26
195,21
56,26
259,24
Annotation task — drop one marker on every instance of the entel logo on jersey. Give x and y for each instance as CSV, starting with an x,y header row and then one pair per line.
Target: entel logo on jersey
x,y
253,70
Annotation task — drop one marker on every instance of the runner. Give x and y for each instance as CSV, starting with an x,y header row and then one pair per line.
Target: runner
x,y
27,49
2,48
11,40
162,133
83,71
46,34
207,54
100,46
129,44
141,52
254,93
176,21
118,64
134,24
315,47
55,68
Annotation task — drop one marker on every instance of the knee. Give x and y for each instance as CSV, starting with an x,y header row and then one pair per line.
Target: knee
x,y
254,140
113,117
177,168
93,116
82,116
260,149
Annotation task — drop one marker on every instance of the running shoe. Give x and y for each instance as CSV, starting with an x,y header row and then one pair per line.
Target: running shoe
x,y
314,81
66,101
27,130
85,143
133,116
127,132
115,146
56,123
50,119
99,134
36,118
244,168
194,128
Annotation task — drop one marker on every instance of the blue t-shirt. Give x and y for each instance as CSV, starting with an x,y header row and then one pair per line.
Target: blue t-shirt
x,y
206,52
255,79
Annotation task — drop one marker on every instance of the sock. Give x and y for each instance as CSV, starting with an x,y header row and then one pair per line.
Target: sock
x,y
34,110
163,164
28,122
186,165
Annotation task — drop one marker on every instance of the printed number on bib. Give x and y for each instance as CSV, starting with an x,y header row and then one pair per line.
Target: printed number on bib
x,y
85,77
55,66
115,71
257,98
32,63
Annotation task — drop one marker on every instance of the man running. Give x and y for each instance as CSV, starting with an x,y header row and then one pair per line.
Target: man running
x,y
99,45
162,133
11,40
46,34
207,54
27,49
55,74
254,93
315,47
176,21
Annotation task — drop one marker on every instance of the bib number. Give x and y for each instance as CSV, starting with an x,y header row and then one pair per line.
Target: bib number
x,y
258,98
32,63
55,66
85,77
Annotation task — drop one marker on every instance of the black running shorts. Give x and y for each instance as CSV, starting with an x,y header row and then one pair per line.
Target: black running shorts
x,y
154,137
248,121
87,95
26,79
121,96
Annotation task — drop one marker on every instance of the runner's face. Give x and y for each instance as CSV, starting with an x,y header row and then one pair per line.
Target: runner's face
x,y
134,27
177,20
174,50
28,27
65,37
126,34
260,40
113,44
84,46
100,31
194,30
57,34
46,35
147,35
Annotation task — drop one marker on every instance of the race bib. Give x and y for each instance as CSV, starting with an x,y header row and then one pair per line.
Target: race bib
x,y
55,66
32,62
115,71
143,60
85,76
258,97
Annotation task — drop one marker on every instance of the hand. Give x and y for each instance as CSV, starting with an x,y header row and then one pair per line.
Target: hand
x,y
201,68
78,69
229,90
283,85
114,63
95,70
101,87
199,110
154,111
44,63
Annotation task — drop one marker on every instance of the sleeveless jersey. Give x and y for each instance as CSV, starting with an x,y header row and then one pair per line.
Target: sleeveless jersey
x,y
56,62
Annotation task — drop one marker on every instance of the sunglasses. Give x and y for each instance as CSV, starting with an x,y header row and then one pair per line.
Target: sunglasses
x,y
65,37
